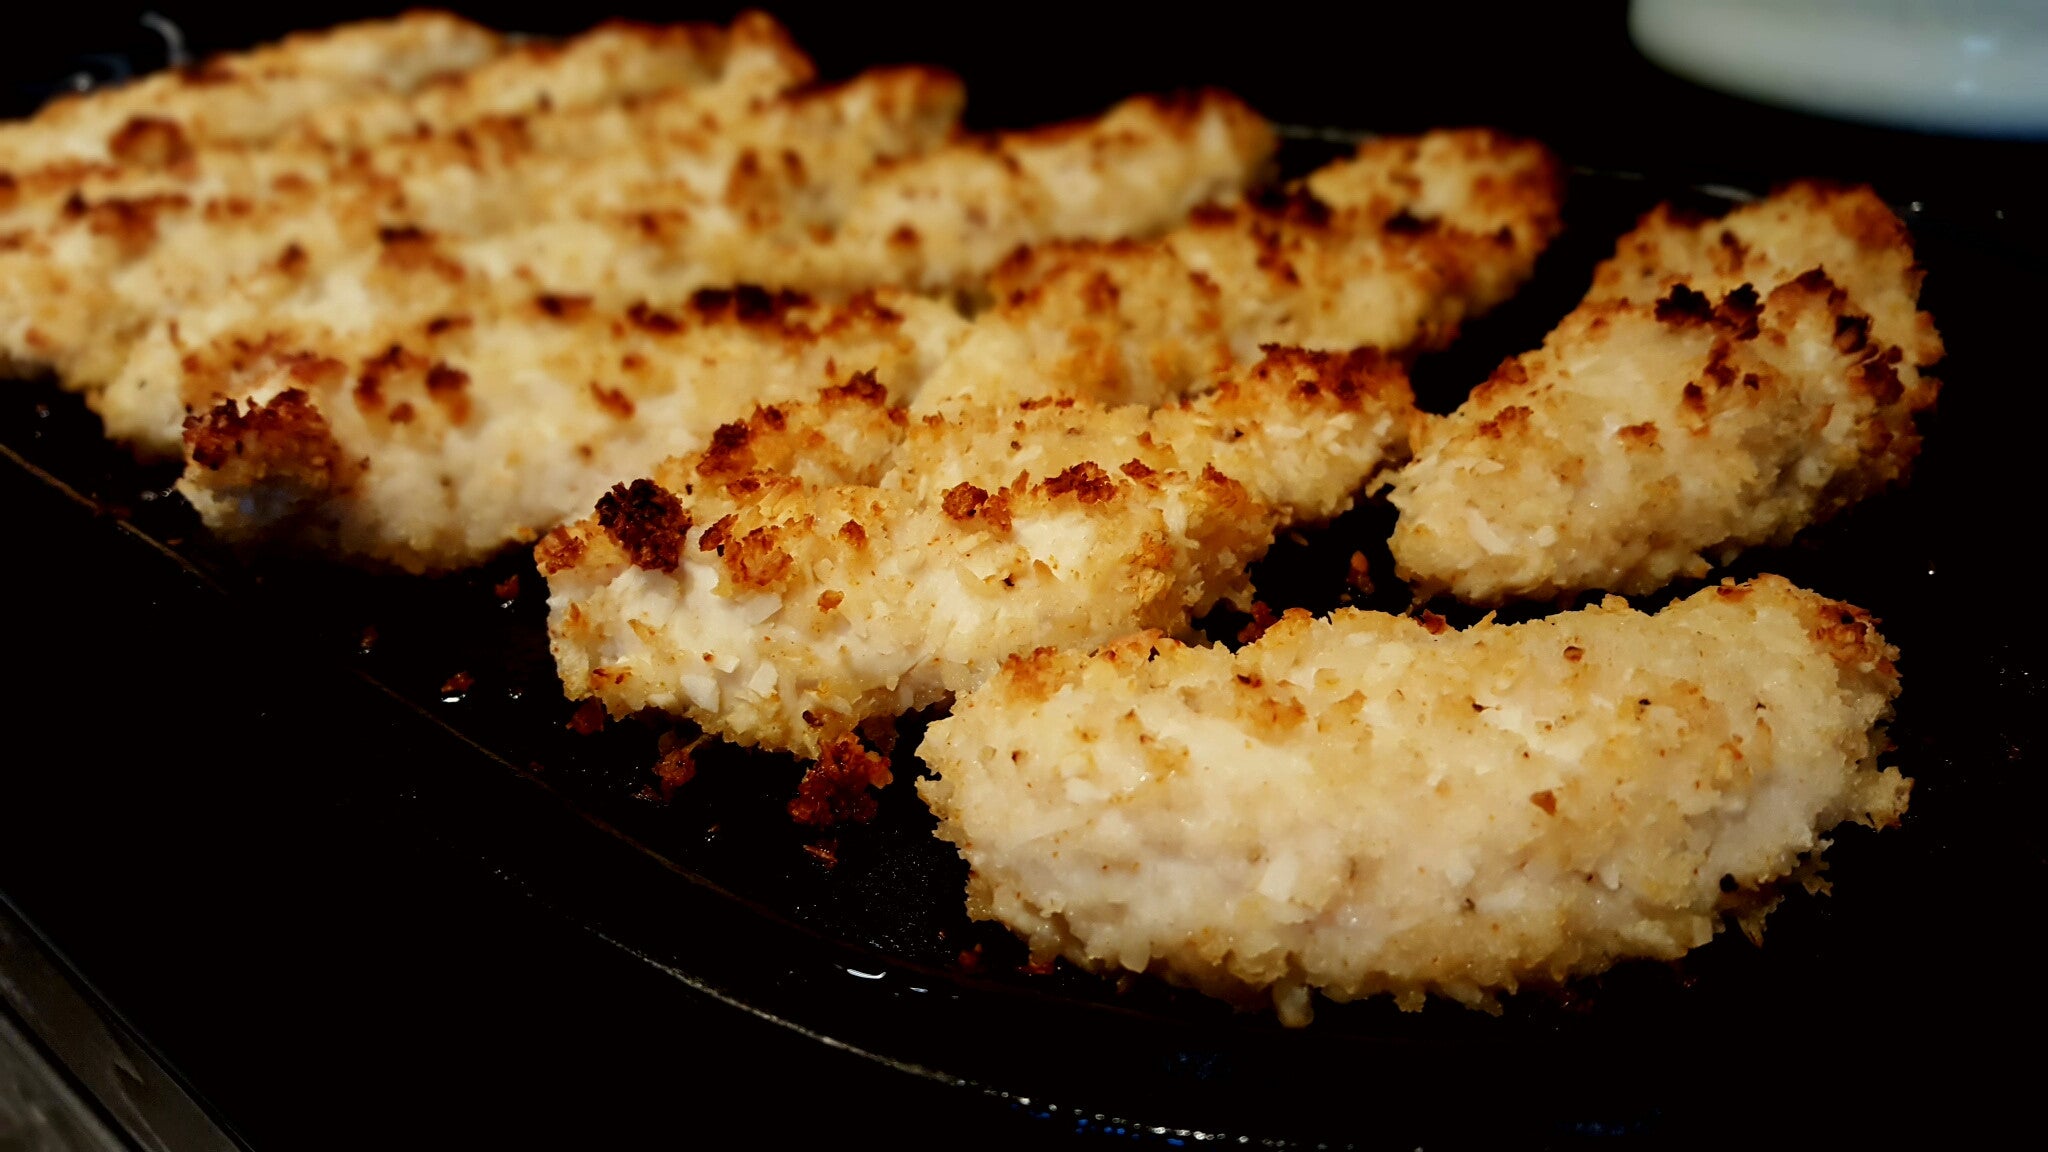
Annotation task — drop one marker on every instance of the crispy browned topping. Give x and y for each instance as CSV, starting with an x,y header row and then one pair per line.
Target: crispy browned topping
x,y
1545,800
1505,421
563,307
612,400
728,453
448,387
852,533
716,537
558,551
1683,306
646,520
1086,482
838,788
286,439
1642,435
962,501
746,303
645,317
149,142
1137,470
1432,623
757,560
861,386
829,599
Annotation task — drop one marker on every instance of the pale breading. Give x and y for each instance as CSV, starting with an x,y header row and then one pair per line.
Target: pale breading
x,y
943,221
433,444
1391,248
73,295
523,99
1371,804
246,98
782,610
1650,439
615,61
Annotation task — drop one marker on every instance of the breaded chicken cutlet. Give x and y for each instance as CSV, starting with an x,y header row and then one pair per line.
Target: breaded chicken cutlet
x,y
248,98
1391,248
738,173
826,564
1723,386
1374,804
88,273
564,395
435,445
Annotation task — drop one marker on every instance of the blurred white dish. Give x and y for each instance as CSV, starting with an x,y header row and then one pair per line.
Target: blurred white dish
x,y
1978,67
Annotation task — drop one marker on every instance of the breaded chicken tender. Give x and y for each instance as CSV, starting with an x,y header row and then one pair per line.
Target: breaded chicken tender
x,y
433,445
1372,804
246,98
552,200
1649,439
1390,248
822,565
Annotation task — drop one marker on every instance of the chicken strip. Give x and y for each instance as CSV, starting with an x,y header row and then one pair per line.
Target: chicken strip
x,y
75,295
537,97
485,320
1648,440
434,445
246,98
781,587
1372,804
1390,248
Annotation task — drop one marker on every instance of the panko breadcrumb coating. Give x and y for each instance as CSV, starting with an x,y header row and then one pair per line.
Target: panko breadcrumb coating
x,y
431,494
435,445
732,170
1390,248
1373,804
1651,438
247,98
819,566
550,199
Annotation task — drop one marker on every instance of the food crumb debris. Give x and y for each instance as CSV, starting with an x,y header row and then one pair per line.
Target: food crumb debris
x,y
825,852
1360,575
508,588
589,718
972,960
456,685
838,789
366,642
1262,619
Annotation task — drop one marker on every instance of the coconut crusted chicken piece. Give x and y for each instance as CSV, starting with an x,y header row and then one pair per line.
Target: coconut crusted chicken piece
x,y
547,199
1390,248
1374,804
543,95
944,221
246,98
778,590
432,446
1651,438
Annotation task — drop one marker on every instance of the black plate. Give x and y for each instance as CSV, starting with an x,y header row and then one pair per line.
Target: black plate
x,y
872,951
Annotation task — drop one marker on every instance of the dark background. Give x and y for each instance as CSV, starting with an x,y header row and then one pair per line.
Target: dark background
x,y
180,810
